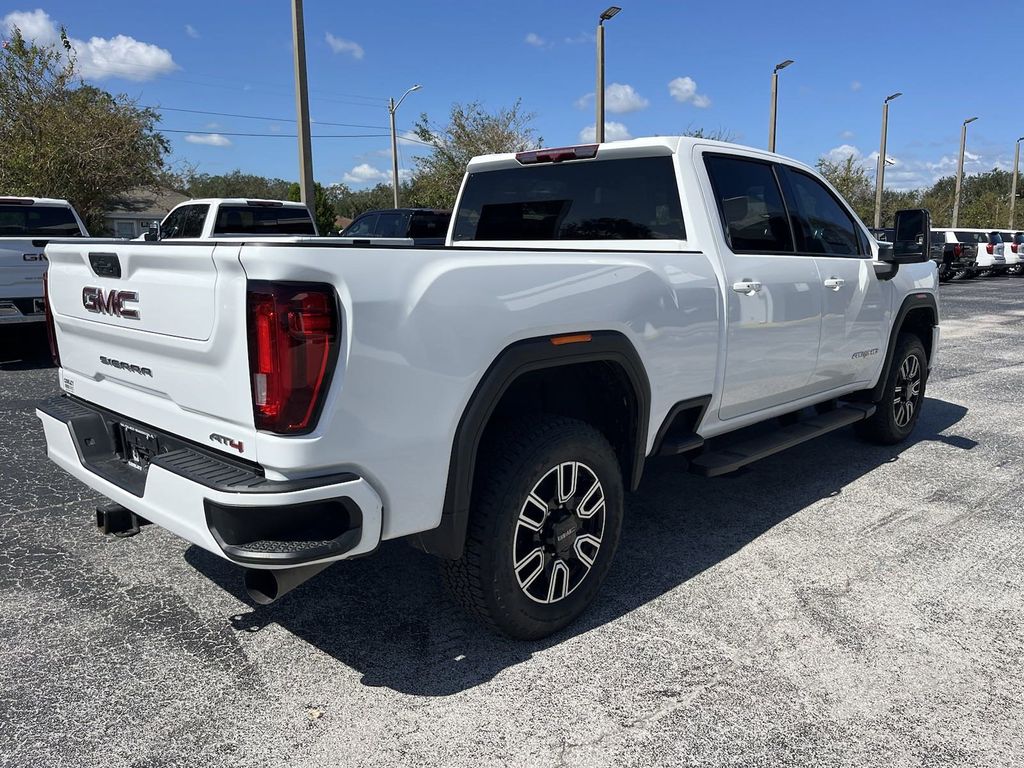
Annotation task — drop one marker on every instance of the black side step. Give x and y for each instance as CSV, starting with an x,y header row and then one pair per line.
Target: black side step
x,y
726,460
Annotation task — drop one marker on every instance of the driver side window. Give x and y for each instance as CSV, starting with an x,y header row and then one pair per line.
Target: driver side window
x,y
820,223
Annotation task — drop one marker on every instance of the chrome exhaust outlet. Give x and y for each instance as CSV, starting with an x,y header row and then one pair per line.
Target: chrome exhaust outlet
x,y
265,586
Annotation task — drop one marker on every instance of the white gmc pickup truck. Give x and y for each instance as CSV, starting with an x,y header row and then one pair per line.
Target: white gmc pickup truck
x,y
26,225
289,403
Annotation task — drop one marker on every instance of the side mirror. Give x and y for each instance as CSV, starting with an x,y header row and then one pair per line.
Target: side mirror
x,y
153,233
912,240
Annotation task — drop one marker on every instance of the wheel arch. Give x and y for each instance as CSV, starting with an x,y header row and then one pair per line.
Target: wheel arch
x,y
518,365
918,314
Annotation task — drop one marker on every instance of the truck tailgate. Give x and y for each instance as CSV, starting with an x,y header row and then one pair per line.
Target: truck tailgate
x,y
157,332
21,268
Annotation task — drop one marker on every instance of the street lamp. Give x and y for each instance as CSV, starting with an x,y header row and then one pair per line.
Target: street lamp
x,y
880,173
1013,186
392,108
960,169
599,128
775,101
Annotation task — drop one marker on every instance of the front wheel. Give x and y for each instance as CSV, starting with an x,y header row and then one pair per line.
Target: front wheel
x,y
544,526
897,412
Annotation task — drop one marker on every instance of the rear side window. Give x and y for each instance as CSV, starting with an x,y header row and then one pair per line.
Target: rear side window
x,y
629,199
821,224
391,225
429,224
362,226
263,220
37,221
750,204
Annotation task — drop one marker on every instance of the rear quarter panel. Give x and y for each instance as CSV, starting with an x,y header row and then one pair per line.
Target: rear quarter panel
x,y
421,327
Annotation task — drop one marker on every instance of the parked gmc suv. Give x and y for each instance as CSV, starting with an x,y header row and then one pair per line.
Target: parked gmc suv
x,y
488,401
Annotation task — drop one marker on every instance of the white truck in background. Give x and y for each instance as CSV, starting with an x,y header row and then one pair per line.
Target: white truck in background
x,y
210,218
26,225
289,403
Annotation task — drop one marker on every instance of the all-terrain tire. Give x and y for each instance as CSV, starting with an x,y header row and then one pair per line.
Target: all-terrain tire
x,y
513,477
897,412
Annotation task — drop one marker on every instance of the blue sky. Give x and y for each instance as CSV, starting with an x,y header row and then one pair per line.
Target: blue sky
x,y
670,66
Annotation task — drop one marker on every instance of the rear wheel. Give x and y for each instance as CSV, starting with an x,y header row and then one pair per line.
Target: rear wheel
x,y
897,412
946,273
544,526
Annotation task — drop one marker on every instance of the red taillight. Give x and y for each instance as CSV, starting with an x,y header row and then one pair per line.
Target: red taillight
x,y
1014,247
51,331
957,250
293,343
990,248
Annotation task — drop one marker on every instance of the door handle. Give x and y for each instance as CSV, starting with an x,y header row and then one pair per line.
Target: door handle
x,y
835,283
748,287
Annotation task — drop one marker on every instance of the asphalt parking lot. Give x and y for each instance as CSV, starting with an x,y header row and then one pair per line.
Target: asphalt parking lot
x,y
837,604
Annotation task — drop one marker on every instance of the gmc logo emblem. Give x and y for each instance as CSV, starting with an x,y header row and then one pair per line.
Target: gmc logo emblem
x,y
111,302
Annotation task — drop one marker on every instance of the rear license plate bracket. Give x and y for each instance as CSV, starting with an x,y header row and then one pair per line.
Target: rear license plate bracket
x,y
138,446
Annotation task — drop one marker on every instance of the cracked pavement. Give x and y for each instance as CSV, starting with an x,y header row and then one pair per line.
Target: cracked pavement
x,y
838,604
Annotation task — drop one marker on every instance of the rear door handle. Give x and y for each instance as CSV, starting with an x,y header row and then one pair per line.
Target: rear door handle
x,y
835,283
749,287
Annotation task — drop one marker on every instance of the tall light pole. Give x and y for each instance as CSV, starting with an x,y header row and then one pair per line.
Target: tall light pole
x,y
1013,186
775,102
392,108
306,191
599,127
880,172
960,170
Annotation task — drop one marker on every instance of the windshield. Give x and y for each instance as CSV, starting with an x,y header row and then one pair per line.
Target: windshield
x,y
263,220
38,221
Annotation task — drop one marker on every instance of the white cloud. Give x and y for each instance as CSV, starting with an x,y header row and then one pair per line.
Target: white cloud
x,y
209,139
364,173
340,45
98,58
191,31
684,89
584,101
856,85
846,135
612,132
535,40
843,151
620,99
580,39
34,25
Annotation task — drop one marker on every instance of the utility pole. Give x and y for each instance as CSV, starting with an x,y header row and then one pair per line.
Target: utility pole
x,y
880,172
775,102
960,170
306,189
392,108
599,94
1013,186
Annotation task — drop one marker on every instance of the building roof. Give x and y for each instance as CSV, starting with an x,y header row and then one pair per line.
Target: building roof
x,y
155,202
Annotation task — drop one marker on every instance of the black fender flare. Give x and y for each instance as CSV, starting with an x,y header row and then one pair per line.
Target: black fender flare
x,y
917,300
517,359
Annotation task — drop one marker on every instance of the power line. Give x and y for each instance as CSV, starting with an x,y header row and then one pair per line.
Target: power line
x,y
261,117
292,135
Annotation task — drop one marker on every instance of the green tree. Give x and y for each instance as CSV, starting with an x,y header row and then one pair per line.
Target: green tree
x,y
234,184
323,208
471,131
62,138
714,134
851,180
